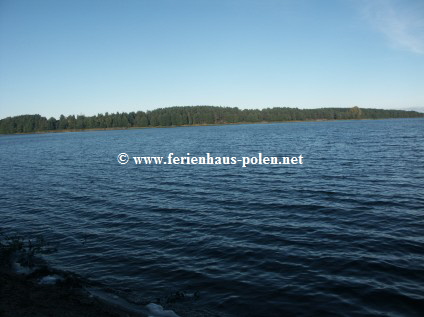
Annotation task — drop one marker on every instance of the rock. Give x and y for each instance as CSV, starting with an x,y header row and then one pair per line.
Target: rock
x,y
156,310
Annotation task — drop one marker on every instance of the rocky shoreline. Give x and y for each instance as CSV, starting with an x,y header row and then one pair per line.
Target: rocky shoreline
x,y
47,292
39,291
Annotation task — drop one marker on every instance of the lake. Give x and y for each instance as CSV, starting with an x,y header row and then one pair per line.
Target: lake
x,y
341,234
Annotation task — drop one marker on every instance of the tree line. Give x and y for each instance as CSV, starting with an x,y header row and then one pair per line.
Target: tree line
x,y
191,115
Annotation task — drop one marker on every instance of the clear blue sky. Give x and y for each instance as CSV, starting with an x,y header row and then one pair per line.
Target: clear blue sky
x,y
85,57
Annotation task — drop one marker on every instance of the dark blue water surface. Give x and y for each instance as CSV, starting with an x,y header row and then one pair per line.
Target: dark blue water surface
x,y
342,234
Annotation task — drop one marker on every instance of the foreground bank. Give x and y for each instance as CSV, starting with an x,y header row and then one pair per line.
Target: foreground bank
x,y
38,290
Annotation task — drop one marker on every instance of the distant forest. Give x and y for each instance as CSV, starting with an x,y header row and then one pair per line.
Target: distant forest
x,y
192,115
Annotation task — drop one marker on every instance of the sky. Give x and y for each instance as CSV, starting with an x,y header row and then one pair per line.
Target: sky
x,y
88,57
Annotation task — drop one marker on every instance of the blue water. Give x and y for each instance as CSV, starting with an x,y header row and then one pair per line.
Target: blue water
x,y
342,234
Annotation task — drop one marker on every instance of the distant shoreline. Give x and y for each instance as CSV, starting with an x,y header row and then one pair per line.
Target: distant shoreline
x,y
194,125
191,116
